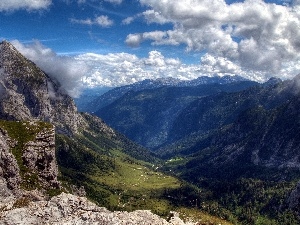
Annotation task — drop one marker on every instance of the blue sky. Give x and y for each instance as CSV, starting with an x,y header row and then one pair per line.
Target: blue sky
x,y
117,42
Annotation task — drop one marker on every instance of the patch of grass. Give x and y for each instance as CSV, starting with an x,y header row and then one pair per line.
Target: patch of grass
x,y
53,192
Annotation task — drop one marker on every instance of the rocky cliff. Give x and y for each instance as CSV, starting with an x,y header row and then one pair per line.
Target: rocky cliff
x,y
28,93
28,166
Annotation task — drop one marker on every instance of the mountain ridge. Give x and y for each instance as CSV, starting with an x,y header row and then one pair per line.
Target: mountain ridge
x,y
148,116
116,93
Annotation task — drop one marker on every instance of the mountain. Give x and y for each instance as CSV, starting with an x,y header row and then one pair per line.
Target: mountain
x,y
244,170
48,147
251,160
232,141
262,115
149,116
107,98
28,93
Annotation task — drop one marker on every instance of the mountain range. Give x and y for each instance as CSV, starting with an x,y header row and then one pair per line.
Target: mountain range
x,y
97,98
217,135
226,147
148,116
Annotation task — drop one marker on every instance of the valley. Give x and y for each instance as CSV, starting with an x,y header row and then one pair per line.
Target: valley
x,y
218,150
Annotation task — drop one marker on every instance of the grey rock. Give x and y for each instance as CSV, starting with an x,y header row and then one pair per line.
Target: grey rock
x,y
38,162
70,209
27,93
39,157
10,171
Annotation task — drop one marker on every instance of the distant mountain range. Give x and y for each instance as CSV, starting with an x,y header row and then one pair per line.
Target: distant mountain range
x,y
101,100
254,128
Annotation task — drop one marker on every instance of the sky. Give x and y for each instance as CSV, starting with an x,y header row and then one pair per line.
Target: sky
x,y
89,43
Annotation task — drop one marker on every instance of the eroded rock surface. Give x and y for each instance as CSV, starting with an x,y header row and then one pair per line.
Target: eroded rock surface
x,y
9,169
71,209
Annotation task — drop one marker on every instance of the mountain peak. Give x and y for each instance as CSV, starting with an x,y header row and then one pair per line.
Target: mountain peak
x,y
6,48
5,43
14,64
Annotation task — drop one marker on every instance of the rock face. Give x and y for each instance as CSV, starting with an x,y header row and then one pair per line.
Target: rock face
x,y
70,209
39,156
28,93
27,161
9,169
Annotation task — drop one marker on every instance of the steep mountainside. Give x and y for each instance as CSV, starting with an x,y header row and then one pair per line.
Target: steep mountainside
x,y
148,116
252,161
28,93
262,120
214,111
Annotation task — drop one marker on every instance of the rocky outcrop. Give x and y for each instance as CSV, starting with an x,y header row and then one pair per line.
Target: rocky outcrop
x,y
27,159
39,157
70,209
9,170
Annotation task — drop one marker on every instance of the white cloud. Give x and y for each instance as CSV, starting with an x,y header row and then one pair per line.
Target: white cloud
x,y
259,37
134,40
87,21
102,21
7,5
128,20
117,69
66,70
123,68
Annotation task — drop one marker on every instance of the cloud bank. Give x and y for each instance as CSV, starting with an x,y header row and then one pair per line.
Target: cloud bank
x,y
258,37
66,70
11,5
117,69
